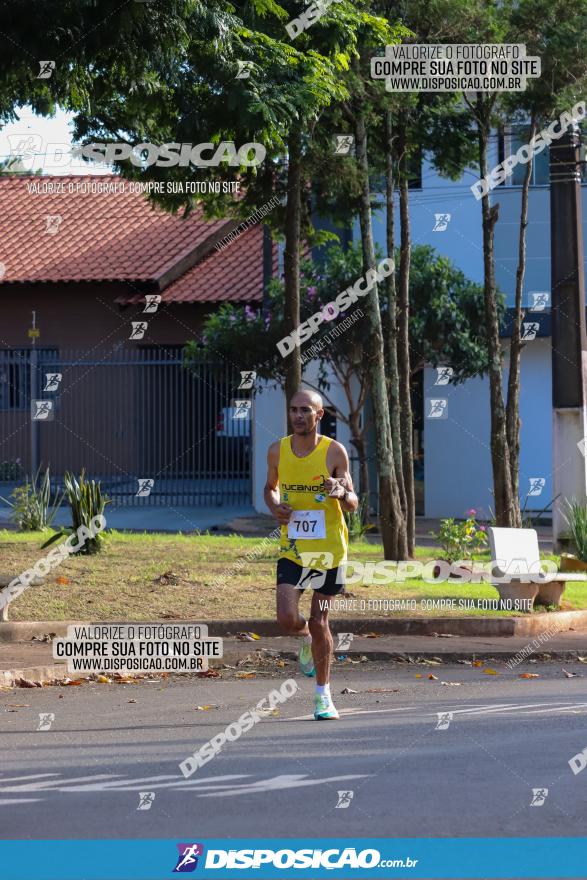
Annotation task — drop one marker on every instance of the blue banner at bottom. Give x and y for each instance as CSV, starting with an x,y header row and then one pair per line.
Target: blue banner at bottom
x,y
276,858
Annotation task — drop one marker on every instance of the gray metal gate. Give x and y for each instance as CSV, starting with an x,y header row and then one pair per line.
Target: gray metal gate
x,y
152,429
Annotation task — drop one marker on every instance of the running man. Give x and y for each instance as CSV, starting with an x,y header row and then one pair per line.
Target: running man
x,y
308,487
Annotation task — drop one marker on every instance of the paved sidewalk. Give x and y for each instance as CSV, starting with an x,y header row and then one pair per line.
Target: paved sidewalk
x,y
34,660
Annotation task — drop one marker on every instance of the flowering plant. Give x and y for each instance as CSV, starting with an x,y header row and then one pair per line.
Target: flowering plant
x,y
459,540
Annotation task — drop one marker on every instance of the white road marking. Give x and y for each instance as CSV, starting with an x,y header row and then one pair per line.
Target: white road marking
x,y
279,783
489,709
28,776
503,707
355,710
214,786
6,801
50,783
572,707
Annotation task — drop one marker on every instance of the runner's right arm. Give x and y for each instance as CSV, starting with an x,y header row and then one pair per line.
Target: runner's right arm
x,y
282,512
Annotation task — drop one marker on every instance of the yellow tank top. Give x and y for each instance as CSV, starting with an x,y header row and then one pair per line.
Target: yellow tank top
x,y
317,535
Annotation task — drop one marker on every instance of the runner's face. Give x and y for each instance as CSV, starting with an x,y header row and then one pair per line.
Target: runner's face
x,y
304,416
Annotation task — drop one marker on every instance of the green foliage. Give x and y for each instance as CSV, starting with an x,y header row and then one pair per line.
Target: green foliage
x,y
31,505
11,470
459,540
446,324
447,321
575,516
87,502
357,521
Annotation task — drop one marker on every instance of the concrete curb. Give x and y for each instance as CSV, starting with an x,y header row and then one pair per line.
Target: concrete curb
x,y
500,627
49,674
56,672
44,674
23,631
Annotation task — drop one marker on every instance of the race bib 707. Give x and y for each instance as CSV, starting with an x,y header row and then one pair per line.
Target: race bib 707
x,y
309,524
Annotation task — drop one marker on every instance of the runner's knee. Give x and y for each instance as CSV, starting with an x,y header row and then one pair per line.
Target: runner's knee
x,y
319,625
289,621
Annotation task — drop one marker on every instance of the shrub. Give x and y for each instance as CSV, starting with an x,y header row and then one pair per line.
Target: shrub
x,y
31,505
87,501
459,540
575,516
356,521
11,471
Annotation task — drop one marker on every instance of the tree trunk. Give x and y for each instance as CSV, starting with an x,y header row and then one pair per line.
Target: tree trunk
x,y
405,389
358,441
390,515
502,487
513,398
392,365
291,263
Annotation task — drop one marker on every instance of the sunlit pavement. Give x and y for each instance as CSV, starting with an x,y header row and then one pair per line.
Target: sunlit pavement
x,y
395,765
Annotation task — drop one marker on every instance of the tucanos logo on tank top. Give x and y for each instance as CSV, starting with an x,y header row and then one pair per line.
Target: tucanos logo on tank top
x,y
316,486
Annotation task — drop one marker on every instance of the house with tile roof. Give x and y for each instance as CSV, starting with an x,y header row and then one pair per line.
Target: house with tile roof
x,y
100,290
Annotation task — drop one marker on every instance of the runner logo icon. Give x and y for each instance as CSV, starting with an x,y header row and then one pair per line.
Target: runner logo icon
x,y
187,859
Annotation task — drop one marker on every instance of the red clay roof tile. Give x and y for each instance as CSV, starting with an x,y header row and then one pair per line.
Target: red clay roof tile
x,y
119,236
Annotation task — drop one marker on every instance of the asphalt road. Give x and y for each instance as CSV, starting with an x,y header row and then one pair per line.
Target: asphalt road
x,y
83,776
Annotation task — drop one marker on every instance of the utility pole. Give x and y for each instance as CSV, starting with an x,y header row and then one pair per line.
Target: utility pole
x,y
569,338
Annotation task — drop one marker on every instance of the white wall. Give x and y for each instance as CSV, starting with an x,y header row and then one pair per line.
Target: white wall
x,y
462,241
269,425
457,458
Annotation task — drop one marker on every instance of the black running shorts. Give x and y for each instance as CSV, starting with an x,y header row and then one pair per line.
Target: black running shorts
x,y
329,582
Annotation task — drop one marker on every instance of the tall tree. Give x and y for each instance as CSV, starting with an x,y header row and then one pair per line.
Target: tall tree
x,y
392,524
555,31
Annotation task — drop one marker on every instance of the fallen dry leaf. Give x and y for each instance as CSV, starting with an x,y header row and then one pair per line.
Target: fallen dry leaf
x,y
245,637
419,675
245,674
168,578
46,637
529,675
489,671
62,580
203,708
103,679
348,691
432,677
208,673
478,662
430,661
280,663
570,674
28,683
131,701
371,635
581,659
